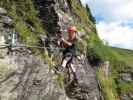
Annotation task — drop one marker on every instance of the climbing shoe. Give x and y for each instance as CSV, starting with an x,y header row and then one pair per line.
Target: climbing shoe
x,y
59,70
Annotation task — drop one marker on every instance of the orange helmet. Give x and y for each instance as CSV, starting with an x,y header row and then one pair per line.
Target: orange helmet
x,y
72,29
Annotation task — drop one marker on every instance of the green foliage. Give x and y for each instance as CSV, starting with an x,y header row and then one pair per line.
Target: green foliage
x,y
126,87
80,27
60,80
126,55
108,86
81,13
25,17
81,47
27,24
90,15
30,28
97,46
120,61
48,60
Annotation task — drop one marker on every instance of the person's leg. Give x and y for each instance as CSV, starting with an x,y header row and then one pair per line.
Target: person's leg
x,y
73,68
74,73
65,60
64,63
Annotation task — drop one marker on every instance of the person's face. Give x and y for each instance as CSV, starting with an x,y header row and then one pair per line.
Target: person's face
x,y
72,35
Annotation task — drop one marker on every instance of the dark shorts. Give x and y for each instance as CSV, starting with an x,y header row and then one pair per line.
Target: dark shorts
x,y
68,56
69,53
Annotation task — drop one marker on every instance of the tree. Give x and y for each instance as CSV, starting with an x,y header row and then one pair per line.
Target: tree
x,y
80,2
90,14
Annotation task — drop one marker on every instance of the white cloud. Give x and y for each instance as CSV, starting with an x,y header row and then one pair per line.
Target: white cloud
x,y
116,35
116,26
112,10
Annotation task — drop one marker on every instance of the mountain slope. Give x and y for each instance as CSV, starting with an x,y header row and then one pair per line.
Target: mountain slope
x,y
127,55
26,66
26,69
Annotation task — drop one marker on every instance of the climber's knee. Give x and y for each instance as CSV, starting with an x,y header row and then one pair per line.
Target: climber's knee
x,y
67,59
73,68
64,63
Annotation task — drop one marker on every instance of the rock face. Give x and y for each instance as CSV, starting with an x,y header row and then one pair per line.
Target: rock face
x,y
128,96
86,89
47,9
25,76
128,77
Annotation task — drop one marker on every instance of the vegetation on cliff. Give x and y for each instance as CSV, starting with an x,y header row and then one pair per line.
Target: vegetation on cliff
x,y
28,24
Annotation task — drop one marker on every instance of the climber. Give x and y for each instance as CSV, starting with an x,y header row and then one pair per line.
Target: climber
x,y
70,49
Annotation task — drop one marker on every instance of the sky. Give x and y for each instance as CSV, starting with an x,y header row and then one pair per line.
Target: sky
x,y
114,21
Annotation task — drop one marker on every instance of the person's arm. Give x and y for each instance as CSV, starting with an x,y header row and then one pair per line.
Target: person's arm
x,y
63,43
66,42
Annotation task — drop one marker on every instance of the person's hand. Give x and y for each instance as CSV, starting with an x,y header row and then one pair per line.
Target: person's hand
x,y
62,39
58,42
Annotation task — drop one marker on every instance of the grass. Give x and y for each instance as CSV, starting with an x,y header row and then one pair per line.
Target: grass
x,y
60,80
29,27
108,86
81,14
120,61
126,55
125,87
25,17
27,24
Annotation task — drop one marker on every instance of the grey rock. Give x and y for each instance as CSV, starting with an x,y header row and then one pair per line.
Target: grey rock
x,y
2,11
128,96
27,77
127,77
131,96
64,5
6,20
47,10
81,34
24,76
86,88
125,97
